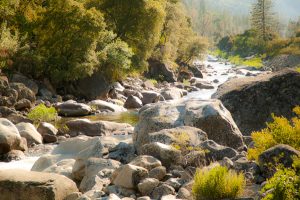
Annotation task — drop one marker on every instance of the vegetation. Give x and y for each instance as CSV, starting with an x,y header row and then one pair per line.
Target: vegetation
x,y
217,183
285,184
280,131
41,113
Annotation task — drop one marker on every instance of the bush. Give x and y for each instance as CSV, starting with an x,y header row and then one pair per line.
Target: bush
x,y
41,113
284,185
280,131
217,183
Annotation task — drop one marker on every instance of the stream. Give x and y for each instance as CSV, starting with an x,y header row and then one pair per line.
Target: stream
x,y
214,71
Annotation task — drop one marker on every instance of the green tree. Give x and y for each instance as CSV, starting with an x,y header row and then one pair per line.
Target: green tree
x,y
263,18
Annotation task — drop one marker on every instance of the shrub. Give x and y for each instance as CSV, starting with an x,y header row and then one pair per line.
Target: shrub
x,y
41,113
280,131
217,183
284,185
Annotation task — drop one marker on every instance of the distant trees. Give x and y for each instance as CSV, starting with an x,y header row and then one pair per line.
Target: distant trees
x,y
263,19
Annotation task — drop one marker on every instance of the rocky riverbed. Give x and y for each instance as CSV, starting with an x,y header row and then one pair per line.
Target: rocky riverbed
x,y
124,147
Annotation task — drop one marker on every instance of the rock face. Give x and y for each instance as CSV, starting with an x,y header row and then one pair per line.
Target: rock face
x,y
160,70
9,137
97,128
73,109
23,185
279,154
252,100
210,116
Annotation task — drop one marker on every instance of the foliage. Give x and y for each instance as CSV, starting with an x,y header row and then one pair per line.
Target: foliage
x,y
9,45
193,49
285,184
217,183
280,131
41,113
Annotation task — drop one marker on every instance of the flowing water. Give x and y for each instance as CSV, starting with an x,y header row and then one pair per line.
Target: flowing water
x,y
214,71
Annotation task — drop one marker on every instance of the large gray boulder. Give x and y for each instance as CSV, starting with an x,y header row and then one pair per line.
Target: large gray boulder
x,y
251,101
73,109
215,151
97,128
150,97
208,115
10,138
24,185
161,70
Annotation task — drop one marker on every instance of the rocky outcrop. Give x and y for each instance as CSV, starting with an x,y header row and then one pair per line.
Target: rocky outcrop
x,y
210,116
161,71
97,128
251,101
24,185
282,61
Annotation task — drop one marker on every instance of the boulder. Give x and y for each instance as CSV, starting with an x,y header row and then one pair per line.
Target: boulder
x,y
167,154
282,61
106,106
172,93
28,131
97,128
162,190
10,138
13,155
23,185
184,75
123,152
23,92
19,78
133,102
216,151
9,96
208,115
162,71
252,100
73,109
128,176
23,104
279,154
158,172
147,162
147,185
45,128
150,97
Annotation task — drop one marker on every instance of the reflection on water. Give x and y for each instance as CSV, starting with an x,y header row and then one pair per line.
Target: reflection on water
x,y
130,117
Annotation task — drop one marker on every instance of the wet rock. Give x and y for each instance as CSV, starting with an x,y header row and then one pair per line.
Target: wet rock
x,y
23,185
133,102
128,176
73,109
252,100
97,128
216,151
279,154
208,115
10,138
147,185
29,132
167,154
106,106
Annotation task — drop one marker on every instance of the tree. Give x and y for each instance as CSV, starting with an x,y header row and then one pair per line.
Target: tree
x,y
263,18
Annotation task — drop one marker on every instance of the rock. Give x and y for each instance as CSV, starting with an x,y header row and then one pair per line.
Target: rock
x,y
97,128
184,75
13,155
23,104
144,198
208,115
113,197
196,70
63,167
147,185
128,176
195,158
106,106
172,93
10,138
73,109
282,61
23,185
45,128
147,162
19,78
216,151
252,100
158,173
133,102
28,131
123,152
136,93
150,97
183,193
162,71
279,154
203,85
49,139
74,195
167,154
23,92
176,183
191,136
162,190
